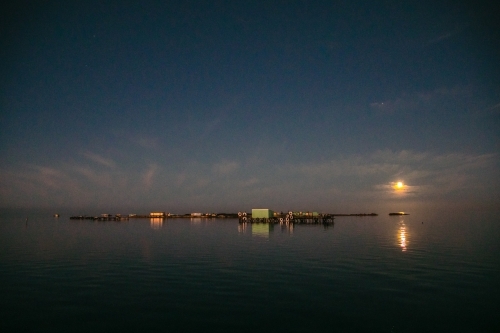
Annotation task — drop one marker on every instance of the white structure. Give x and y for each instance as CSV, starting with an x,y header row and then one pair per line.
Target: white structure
x,y
262,213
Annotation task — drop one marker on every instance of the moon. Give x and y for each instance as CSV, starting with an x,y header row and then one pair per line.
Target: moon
x,y
399,185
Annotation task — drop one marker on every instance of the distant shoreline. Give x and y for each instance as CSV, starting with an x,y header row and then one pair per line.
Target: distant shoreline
x,y
119,217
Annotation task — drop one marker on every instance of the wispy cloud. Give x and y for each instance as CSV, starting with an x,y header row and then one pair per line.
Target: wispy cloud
x,y
423,173
146,142
447,34
35,185
494,109
248,182
386,107
179,179
497,106
98,178
440,38
358,178
424,100
225,167
108,162
148,175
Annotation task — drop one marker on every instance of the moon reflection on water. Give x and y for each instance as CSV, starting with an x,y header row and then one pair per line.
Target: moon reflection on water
x,y
402,236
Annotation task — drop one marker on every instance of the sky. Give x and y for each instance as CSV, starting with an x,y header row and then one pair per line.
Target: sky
x,y
224,106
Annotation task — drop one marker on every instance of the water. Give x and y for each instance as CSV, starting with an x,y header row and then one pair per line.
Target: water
x,y
363,274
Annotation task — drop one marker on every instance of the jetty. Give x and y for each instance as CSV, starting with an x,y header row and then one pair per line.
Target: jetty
x,y
258,215
357,214
102,217
268,216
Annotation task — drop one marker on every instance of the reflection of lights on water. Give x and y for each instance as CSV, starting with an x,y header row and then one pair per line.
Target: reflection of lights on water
x,y
286,225
261,230
242,227
156,222
402,236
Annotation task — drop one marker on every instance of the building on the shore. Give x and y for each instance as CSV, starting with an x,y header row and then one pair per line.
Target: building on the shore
x,y
196,214
307,214
157,214
261,213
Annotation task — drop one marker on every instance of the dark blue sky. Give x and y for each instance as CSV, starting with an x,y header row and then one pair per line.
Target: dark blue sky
x,y
229,105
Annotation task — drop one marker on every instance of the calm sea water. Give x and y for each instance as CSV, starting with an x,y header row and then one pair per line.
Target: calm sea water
x,y
416,273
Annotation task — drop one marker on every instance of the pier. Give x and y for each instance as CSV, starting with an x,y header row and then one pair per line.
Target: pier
x,y
290,217
103,217
257,216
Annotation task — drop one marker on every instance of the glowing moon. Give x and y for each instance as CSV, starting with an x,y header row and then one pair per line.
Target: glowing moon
x,y
399,185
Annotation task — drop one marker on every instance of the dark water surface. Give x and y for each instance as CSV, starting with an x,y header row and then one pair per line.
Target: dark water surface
x,y
363,274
